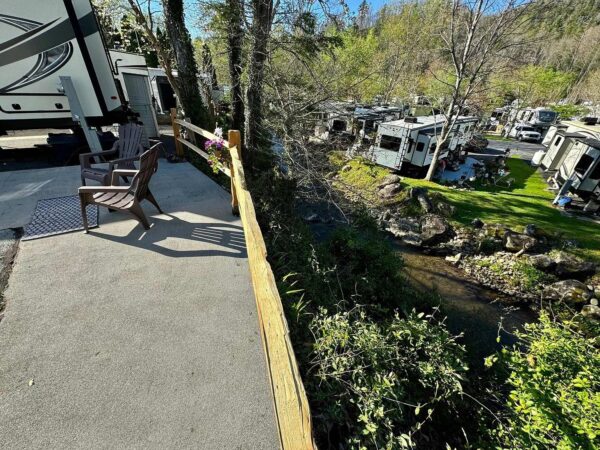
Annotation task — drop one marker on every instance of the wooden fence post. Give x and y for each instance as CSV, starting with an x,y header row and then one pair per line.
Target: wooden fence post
x,y
176,133
235,140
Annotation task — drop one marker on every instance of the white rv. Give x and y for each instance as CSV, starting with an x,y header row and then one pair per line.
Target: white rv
x,y
41,41
540,118
132,79
559,147
582,166
164,96
412,140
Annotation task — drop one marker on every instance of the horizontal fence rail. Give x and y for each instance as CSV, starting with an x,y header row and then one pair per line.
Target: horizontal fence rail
x,y
290,401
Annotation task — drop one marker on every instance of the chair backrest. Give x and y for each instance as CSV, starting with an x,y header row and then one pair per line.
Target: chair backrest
x,y
130,140
148,166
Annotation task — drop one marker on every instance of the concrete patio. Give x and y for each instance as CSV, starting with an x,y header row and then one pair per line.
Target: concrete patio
x,y
126,338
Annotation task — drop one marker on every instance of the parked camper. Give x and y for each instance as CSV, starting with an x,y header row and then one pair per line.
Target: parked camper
x,y
40,43
131,76
560,146
540,118
582,167
589,127
62,39
164,96
412,141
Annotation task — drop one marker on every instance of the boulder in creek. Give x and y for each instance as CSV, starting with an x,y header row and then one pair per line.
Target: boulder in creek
x,y
390,190
570,266
572,292
591,311
515,242
543,262
390,179
434,229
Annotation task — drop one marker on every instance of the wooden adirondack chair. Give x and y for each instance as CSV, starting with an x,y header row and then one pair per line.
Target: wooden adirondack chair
x,y
125,151
125,198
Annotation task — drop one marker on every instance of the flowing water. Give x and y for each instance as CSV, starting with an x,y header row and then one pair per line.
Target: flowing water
x,y
471,309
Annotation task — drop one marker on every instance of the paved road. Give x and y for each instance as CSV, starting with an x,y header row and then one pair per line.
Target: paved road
x,y
126,338
524,150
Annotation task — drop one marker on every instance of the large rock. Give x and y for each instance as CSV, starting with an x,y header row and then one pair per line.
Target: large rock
x,y
390,190
477,223
591,311
569,266
570,291
390,179
434,229
543,262
416,192
401,226
515,242
445,209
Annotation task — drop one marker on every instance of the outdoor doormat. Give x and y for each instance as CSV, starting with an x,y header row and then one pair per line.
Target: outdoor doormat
x,y
59,215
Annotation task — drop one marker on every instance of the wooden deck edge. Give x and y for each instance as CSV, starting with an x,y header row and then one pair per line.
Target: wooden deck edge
x,y
290,400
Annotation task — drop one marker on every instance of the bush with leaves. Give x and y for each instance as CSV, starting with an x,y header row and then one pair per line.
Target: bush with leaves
x,y
375,384
554,399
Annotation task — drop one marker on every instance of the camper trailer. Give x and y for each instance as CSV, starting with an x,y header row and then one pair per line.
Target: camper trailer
x,y
132,80
539,118
559,147
164,96
412,141
582,167
38,45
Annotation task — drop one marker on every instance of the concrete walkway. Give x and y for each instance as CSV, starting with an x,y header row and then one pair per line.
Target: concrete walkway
x,y
130,339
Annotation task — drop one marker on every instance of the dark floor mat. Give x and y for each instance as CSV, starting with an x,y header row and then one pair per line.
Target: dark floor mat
x,y
57,216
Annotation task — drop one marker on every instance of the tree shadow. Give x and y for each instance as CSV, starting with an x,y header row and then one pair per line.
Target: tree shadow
x,y
174,237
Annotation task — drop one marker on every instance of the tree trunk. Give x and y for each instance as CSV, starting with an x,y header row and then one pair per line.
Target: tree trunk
x,y
187,69
235,36
261,30
163,57
446,128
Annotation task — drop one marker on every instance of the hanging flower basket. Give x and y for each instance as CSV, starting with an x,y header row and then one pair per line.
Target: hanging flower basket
x,y
218,153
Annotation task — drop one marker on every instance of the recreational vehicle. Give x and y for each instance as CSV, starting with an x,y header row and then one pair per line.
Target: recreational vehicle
x,y
559,147
539,118
582,167
412,141
164,96
42,43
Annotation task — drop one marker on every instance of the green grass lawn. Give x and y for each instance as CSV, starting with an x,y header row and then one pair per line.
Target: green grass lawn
x,y
526,201
496,137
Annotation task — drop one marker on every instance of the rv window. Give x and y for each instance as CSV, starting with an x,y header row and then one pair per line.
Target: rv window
x,y
584,164
558,139
338,125
420,146
432,148
390,142
595,175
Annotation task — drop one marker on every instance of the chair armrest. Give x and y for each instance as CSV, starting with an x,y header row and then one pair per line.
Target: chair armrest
x,y
85,159
99,189
121,172
116,162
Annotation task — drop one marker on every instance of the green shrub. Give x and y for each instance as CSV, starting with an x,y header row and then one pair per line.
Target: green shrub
x,y
554,399
376,384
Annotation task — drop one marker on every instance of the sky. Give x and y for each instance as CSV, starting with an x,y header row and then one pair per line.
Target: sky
x,y
196,32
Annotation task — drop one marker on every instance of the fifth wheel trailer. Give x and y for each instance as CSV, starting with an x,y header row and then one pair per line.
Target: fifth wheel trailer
x,y
43,41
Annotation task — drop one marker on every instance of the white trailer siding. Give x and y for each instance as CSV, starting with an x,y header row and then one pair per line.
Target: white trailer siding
x,y
416,141
39,44
132,73
582,164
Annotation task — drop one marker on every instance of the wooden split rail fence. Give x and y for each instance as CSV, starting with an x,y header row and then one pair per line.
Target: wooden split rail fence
x,y
290,401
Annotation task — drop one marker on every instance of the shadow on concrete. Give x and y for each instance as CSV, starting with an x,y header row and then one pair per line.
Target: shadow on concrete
x,y
174,237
